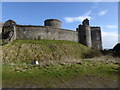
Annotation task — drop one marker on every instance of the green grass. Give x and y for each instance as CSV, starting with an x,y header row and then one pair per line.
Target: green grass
x,y
55,75
62,64
46,51
0,76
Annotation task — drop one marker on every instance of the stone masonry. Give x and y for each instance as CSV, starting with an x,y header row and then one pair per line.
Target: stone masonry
x,y
89,36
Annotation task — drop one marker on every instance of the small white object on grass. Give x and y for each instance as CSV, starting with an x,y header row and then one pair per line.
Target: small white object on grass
x,y
35,62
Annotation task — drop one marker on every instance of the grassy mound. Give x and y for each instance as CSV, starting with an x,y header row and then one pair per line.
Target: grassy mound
x,y
46,51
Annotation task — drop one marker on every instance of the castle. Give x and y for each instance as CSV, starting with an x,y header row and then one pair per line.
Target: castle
x,y
84,34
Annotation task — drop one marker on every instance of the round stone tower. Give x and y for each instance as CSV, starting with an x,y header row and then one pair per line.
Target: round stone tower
x,y
85,33
53,23
10,23
9,31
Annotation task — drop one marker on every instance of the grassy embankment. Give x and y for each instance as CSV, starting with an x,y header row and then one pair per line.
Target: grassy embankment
x,y
62,64
45,51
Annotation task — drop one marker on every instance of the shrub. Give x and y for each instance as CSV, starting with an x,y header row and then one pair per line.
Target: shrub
x,y
92,53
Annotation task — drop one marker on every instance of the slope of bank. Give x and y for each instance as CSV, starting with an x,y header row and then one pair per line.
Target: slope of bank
x,y
46,51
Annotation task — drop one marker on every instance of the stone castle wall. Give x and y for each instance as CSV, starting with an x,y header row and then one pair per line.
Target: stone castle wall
x,y
45,32
89,36
85,35
96,37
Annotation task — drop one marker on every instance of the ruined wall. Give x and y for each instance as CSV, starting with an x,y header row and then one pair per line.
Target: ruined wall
x,y
45,32
89,36
53,23
1,26
9,31
96,38
85,35
1,30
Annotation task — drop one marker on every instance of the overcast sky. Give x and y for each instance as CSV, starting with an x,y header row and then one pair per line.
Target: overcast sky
x,y
103,14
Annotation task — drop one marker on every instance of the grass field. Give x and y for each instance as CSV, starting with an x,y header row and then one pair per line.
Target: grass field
x,y
63,64
84,74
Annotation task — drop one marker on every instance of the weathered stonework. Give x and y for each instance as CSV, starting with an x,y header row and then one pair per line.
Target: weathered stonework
x,y
53,23
96,37
43,32
89,36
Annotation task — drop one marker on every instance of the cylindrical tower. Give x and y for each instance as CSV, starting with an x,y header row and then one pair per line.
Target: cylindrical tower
x,y
9,31
53,23
85,33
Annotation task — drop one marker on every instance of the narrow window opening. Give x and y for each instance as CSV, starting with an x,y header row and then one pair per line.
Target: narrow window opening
x,y
84,36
